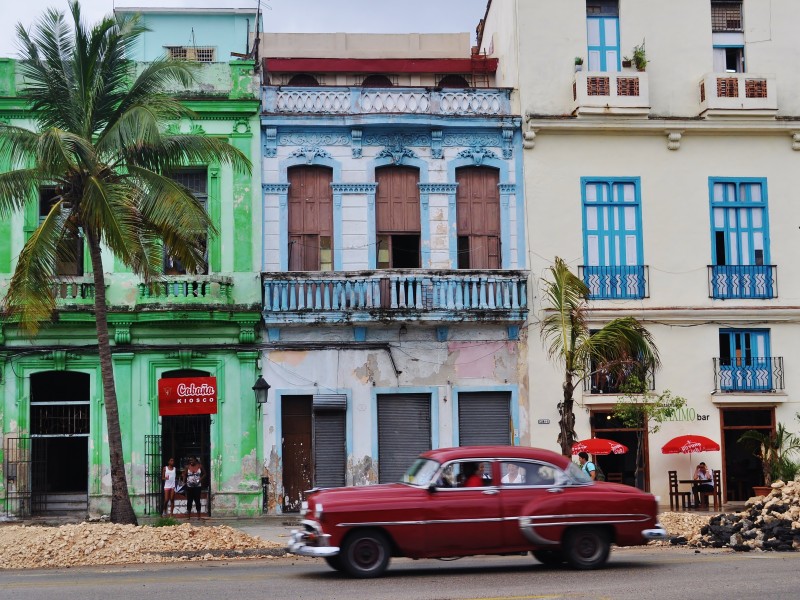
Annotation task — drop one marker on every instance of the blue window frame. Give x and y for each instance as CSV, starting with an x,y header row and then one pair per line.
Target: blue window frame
x,y
612,240
740,239
603,39
745,363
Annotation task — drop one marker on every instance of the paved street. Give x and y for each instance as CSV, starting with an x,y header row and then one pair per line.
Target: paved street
x,y
631,574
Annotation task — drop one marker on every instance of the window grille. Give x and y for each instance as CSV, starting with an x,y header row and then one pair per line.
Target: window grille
x,y
194,53
755,88
627,86
727,87
597,86
726,16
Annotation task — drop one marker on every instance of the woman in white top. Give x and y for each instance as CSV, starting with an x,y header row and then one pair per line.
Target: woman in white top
x,y
169,476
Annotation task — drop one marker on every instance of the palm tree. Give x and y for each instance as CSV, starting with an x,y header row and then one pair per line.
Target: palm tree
x,y
621,343
774,449
101,143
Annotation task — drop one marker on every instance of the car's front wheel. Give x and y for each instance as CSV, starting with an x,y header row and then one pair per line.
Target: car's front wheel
x,y
586,547
551,558
366,554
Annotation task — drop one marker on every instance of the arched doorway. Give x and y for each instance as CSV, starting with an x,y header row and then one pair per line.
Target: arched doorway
x,y
59,429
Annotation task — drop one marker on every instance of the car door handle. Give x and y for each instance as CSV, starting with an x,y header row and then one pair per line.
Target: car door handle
x,y
489,492
554,490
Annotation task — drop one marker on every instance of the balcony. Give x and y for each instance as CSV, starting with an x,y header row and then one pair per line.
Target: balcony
x,y
726,282
737,95
407,295
628,282
399,100
748,374
187,289
74,291
619,94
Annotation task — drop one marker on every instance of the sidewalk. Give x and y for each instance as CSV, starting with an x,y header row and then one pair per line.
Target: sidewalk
x,y
272,528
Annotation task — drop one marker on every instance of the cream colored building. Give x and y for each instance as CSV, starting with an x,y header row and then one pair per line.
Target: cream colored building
x,y
673,191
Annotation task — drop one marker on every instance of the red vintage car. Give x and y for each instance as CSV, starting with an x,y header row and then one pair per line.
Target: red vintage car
x,y
477,500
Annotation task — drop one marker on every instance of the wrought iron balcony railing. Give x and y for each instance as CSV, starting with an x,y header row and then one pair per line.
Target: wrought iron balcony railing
x,y
627,282
407,100
187,289
754,374
391,294
742,281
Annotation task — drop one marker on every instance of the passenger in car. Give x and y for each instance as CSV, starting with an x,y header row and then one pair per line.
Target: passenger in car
x,y
474,475
514,474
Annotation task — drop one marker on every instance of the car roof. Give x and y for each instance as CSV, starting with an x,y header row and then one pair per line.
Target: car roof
x,y
488,452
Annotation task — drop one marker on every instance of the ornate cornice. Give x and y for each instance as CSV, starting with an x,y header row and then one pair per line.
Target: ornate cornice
x,y
507,188
477,154
275,188
438,188
398,153
310,153
354,188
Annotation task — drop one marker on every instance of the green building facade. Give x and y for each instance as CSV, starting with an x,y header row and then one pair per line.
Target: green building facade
x,y
52,419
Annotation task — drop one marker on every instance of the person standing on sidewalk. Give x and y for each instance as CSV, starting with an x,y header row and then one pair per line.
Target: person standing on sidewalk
x,y
168,476
194,481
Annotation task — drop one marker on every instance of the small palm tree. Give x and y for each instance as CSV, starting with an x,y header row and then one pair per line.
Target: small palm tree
x,y
774,449
101,144
621,343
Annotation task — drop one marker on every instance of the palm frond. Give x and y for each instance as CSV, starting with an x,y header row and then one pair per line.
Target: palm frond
x,y
17,145
620,343
15,189
564,324
176,151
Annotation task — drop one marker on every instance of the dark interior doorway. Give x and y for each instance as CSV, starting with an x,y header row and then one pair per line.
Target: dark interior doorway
x,y
604,425
59,426
187,436
296,451
742,469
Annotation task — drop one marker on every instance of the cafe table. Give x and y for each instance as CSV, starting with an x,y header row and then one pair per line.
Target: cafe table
x,y
694,482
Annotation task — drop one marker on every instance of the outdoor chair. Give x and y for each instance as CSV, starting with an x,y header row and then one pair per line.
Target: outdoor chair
x,y
716,493
675,495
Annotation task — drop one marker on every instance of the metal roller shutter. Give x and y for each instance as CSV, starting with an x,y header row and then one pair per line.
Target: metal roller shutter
x,y
330,456
404,431
484,418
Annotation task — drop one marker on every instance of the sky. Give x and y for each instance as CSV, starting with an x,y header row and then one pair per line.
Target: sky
x,y
299,16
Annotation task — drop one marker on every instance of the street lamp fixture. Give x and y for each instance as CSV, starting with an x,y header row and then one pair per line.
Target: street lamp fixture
x,y
260,389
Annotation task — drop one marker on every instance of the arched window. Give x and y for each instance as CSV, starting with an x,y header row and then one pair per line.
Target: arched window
x,y
453,81
376,81
303,80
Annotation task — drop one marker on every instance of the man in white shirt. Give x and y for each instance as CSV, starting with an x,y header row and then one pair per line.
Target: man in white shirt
x,y
514,474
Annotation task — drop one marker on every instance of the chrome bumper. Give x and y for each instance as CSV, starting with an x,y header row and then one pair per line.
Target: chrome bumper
x,y
657,533
311,542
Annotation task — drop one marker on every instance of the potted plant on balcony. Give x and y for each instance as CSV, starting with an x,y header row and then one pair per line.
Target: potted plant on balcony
x,y
774,450
637,59
578,64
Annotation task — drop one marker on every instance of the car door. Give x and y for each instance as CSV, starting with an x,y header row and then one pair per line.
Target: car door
x,y
531,489
463,520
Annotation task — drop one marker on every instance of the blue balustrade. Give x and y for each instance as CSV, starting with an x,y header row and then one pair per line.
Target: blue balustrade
x,y
753,374
742,281
627,282
375,295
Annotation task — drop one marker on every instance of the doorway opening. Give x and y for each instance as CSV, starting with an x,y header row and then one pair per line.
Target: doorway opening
x,y
742,470
59,426
184,437
621,466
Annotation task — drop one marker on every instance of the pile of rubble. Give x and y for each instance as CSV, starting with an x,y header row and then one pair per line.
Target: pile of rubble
x,y
105,543
770,522
682,526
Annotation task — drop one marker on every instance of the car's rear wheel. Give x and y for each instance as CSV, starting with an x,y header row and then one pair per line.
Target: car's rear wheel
x,y
335,562
586,547
551,558
366,554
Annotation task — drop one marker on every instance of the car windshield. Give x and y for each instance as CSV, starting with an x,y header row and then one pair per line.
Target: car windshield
x,y
421,472
577,474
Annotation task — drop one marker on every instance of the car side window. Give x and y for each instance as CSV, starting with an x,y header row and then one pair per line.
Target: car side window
x,y
527,473
514,473
464,474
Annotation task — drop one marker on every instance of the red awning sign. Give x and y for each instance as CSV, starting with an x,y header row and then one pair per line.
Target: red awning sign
x,y
187,396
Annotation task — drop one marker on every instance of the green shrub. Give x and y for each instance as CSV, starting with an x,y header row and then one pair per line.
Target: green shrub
x,y
165,522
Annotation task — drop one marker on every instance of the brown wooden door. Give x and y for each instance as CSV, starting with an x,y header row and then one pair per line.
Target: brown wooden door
x,y
397,217
310,219
478,217
298,463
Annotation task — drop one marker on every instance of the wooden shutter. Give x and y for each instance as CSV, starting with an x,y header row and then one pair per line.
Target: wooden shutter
x,y
310,218
397,200
478,216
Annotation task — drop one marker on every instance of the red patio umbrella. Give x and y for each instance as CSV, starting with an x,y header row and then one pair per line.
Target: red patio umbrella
x,y
599,446
688,444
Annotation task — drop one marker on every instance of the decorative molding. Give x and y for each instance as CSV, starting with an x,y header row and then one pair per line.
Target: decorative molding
x,y
398,153
313,139
407,139
438,188
796,140
529,138
275,188
242,127
59,358
507,188
310,153
355,136
270,142
477,154
674,139
508,139
436,144
452,140
441,333
359,334
274,334
247,332
513,332
122,332
177,129
354,188
185,357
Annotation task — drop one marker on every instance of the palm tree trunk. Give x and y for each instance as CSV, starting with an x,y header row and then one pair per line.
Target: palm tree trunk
x,y
566,437
121,508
